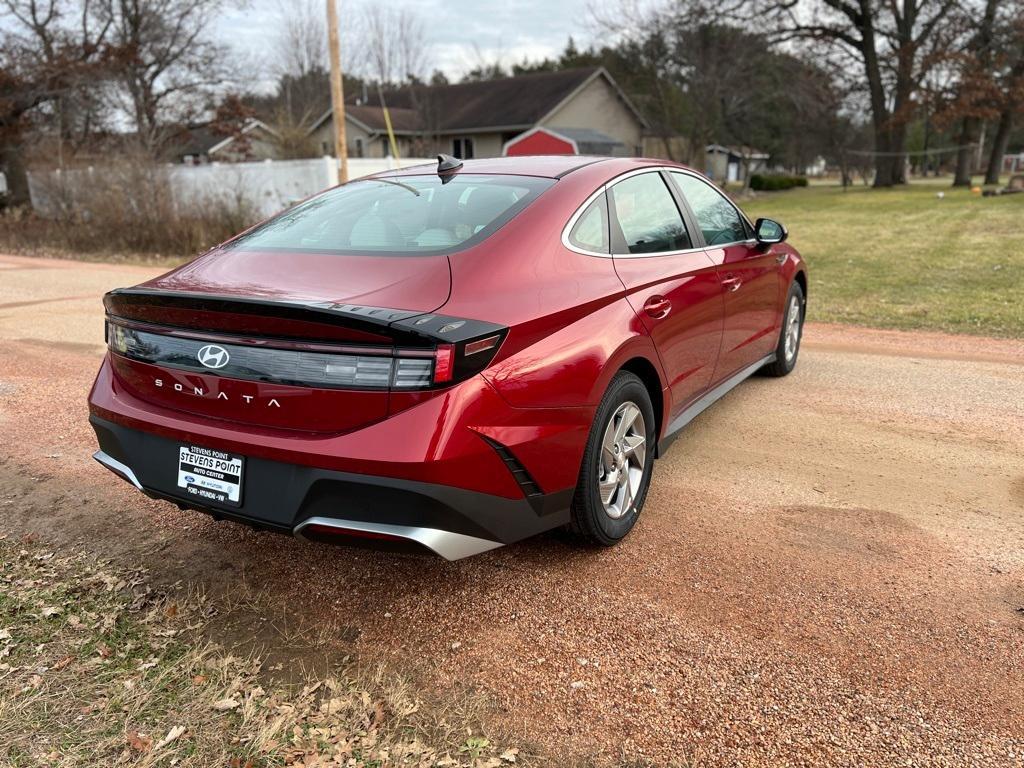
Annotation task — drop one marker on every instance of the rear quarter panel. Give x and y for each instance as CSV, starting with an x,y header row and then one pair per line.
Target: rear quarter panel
x,y
570,325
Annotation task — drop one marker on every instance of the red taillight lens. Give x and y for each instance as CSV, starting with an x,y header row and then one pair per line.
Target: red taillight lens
x,y
444,363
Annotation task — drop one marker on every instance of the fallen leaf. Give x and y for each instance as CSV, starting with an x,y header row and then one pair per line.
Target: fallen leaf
x,y
139,742
172,735
50,611
5,634
225,705
171,610
509,755
198,679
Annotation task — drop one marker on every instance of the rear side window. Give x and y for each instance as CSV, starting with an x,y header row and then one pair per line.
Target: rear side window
x,y
648,216
402,215
717,218
590,232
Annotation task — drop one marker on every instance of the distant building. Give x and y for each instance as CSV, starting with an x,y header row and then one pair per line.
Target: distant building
x,y
200,144
733,164
583,108
1013,163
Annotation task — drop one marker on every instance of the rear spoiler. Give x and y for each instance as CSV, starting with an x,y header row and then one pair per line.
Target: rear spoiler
x,y
401,327
459,347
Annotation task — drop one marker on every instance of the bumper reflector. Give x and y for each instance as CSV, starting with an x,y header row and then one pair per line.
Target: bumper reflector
x,y
482,345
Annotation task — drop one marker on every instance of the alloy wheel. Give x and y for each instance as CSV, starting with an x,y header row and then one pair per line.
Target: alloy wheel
x,y
623,460
792,328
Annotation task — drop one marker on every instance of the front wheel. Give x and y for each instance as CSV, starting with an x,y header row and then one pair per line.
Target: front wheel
x,y
792,331
617,463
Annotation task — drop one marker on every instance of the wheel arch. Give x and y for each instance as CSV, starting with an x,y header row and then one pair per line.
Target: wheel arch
x,y
645,370
801,278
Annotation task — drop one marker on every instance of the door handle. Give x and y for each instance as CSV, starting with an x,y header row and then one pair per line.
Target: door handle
x,y
732,282
657,306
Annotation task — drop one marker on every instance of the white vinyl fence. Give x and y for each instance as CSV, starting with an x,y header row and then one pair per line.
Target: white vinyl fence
x,y
268,186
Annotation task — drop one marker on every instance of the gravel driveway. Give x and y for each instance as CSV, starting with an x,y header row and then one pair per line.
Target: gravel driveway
x,y
829,568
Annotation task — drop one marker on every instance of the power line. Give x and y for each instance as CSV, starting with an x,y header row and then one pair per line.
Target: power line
x,y
939,151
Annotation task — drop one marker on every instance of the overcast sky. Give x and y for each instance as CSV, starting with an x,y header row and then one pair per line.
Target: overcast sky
x,y
505,29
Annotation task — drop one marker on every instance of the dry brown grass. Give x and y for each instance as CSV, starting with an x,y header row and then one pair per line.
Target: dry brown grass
x,y
97,668
124,208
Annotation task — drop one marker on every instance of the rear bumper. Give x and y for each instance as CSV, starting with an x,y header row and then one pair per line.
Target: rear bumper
x,y
338,506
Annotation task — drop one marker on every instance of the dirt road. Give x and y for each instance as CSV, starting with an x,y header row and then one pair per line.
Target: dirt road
x,y
829,568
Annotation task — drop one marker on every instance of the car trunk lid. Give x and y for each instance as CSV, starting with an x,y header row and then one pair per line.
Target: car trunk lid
x,y
309,339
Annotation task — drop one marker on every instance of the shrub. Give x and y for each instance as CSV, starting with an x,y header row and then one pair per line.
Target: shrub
x,y
126,207
775,182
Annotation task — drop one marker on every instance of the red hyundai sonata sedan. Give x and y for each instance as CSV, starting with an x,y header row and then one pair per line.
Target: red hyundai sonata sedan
x,y
447,358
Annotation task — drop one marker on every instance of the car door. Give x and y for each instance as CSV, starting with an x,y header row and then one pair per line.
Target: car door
x,y
749,275
672,284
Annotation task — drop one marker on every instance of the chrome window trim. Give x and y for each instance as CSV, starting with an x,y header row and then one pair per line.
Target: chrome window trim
x,y
742,215
636,172
567,229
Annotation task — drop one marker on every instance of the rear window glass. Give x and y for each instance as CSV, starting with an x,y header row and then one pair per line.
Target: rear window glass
x,y
400,215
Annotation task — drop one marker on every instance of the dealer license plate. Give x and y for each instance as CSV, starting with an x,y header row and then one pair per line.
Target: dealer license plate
x,y
209,475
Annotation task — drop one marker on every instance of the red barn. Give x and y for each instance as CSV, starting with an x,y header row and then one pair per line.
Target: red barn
x,y
543,140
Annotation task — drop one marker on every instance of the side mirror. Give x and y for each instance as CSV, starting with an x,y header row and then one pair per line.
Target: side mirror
x,y
769,232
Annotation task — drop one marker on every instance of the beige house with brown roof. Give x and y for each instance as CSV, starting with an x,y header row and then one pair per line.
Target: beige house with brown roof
x,y
476,119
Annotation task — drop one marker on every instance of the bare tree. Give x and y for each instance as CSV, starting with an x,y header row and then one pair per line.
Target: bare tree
x,y
301,43
893,44
394,44
973,100
301,63
1010,81
172,63
52,52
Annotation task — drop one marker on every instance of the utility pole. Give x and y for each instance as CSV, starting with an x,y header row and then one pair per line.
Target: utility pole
x,y
337,91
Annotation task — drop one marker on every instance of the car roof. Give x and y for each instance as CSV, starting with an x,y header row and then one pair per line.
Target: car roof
x,y
551,166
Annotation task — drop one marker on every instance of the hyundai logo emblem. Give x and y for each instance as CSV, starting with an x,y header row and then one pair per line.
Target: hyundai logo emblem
x,y
213,356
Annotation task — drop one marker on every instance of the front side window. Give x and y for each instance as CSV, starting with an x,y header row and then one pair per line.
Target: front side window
x,y
400,215
717,218
590,233
648,216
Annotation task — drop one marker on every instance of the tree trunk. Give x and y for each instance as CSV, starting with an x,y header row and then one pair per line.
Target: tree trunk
x,y
884,175
999,143
962,177
14,169
880,117
899,160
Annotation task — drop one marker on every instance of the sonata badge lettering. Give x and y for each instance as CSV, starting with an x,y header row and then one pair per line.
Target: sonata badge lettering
x,y
195,391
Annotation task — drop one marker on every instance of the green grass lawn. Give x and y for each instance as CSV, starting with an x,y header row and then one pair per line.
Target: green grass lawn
x,y
904,258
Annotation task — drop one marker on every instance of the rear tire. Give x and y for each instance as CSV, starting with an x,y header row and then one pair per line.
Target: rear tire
x,y
792,331
617,463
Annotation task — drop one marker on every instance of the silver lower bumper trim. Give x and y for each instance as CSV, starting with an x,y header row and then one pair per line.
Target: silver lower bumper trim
x,y
121,470
449,545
